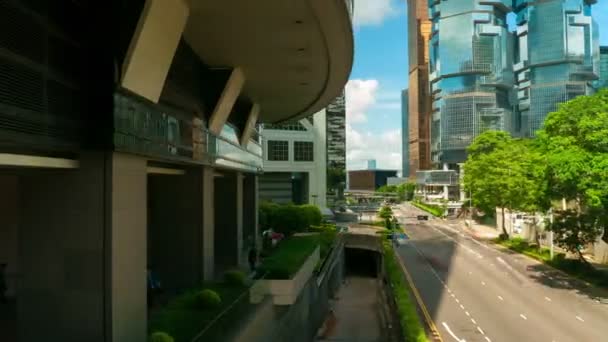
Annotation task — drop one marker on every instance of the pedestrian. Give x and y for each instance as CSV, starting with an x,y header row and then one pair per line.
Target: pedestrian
x,y
252,258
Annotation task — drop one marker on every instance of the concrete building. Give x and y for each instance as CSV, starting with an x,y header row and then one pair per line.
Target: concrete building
x,y
470,68
558,57
419,98
405,135
369,180
129,145
295,162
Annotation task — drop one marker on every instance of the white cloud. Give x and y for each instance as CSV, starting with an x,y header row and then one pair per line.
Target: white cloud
x,y
385,148
360,96
373,12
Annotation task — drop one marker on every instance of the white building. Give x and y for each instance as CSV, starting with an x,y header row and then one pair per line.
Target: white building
x,y
295,162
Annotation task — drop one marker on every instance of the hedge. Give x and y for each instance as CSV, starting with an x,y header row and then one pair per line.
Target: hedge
x,y
288,218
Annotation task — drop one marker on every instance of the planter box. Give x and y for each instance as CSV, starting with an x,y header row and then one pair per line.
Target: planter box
x,y
285,291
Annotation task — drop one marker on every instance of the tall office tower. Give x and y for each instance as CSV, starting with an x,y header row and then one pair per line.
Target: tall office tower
x,y
603,81
470,73
558,56
405,135
336,150
419,103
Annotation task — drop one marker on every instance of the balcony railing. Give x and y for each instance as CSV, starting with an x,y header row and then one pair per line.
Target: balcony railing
x,y
158,131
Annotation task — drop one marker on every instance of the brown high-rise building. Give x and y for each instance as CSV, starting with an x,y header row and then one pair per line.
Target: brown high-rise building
x,y
419,108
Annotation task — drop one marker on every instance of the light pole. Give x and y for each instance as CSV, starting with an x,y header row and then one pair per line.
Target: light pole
x,y
551,233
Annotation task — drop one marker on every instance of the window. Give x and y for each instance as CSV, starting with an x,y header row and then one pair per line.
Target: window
x,y
303,151
278,150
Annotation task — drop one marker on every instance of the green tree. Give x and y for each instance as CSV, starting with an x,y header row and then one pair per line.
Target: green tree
x,y
574,141
385,212
504,172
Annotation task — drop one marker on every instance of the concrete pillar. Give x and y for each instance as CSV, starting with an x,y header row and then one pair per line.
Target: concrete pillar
x,y
153,46
208,211
239,219
252,119
128,257
318,178
226,222
224,105
445,187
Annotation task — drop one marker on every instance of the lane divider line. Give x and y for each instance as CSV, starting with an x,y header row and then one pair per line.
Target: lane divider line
x,y
522,316
425,312
452,333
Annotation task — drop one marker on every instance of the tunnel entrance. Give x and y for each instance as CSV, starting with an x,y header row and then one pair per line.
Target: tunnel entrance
x,y
361,262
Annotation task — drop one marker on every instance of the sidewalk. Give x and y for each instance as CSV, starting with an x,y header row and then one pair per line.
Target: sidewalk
x,y
480,231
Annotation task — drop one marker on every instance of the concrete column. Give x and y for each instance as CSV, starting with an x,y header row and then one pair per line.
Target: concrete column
x,y
252,119
208,223
318,178
224,105
153,46
226,221
445,187
239,218
128,257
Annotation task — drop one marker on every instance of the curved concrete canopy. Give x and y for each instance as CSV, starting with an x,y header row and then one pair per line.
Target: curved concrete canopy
x,y
296,55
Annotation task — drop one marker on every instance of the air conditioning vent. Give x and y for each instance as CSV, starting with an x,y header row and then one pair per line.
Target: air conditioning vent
x,y
21,86
20,33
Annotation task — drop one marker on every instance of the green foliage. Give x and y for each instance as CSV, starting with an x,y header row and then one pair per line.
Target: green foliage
x,y
288,218
405,191
160,337
235,278
183,317
430,208
289,256
502,172
574,141
408,316
208,299
385,212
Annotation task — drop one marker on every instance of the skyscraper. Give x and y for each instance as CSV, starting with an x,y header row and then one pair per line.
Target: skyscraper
x,y
419,103
558,56
471,74
603,81
405,135
336,150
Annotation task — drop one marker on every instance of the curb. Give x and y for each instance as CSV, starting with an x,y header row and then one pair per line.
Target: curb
x,y
427,317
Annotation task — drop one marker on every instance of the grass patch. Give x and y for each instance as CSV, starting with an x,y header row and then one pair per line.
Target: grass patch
x,y
572,267
290,254
408,316
373,223
430,208
182,317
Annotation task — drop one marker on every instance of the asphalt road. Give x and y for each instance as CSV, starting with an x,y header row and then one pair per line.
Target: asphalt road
x,y
476,292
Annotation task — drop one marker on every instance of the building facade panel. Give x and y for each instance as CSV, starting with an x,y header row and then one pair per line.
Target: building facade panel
x,y
336,150
558,59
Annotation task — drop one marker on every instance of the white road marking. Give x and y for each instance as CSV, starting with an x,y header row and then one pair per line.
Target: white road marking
x,y
547,299
457,301
481,331
470,272
502,261
499,297
459,244
452,333
462,306
472,320
580,319
467,313
522,316
452,295
483,283
488,339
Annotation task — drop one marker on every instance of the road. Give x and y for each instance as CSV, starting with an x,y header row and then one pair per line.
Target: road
x,y
477,292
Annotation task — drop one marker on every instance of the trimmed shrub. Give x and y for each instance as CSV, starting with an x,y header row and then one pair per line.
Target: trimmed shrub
x,y
208,299
288,219
160,336
312,215
235,278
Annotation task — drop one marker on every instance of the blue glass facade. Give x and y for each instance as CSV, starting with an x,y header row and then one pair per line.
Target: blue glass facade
x,y
603,81
471,63
557,57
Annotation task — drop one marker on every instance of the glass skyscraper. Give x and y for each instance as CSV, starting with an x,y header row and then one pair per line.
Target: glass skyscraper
x,y
603,81
405,135
557,57
471,74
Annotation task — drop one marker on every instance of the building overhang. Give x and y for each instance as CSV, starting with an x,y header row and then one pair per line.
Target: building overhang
x,y
296,56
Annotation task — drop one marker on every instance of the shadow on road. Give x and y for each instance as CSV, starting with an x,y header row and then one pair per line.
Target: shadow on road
x,y
553,278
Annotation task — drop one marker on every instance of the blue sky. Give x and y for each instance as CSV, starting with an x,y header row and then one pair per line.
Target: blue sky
x,y
380,73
